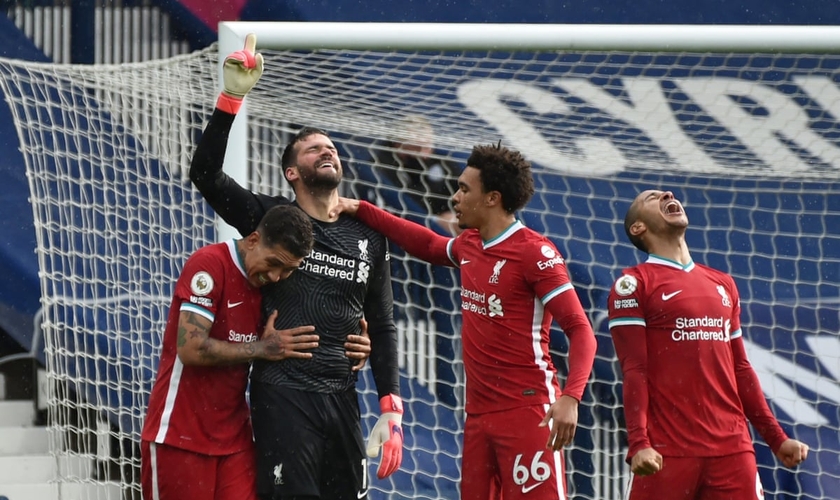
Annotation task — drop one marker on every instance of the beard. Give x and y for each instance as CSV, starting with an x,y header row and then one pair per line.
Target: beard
x,y
317,181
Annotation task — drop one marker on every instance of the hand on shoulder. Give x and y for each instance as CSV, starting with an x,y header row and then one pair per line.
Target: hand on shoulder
x,y
347,206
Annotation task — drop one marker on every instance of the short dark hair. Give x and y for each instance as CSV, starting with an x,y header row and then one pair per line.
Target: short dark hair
x,y
506,171
630,218
289,227
288,157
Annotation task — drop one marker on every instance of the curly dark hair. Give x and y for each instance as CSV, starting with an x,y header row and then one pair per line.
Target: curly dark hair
x,y
506,171
289,227
288,157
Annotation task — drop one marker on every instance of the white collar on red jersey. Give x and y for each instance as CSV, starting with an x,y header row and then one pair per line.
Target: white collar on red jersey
x,y
234,256
655,259
516,226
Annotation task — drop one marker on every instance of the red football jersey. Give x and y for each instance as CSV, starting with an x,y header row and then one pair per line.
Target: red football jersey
x,y
505,283
203,408
690,315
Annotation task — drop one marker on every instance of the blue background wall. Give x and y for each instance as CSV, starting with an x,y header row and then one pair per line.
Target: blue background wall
x,y
19,286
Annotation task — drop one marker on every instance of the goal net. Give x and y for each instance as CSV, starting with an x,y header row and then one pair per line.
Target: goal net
x,y
746,137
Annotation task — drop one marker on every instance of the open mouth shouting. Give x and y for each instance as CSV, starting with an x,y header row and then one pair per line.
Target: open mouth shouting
x,y
672,208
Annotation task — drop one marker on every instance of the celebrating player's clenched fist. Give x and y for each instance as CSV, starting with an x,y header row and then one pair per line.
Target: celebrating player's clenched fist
x,y
242,70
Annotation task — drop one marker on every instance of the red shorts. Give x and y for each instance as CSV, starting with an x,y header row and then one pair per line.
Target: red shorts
x,y
706,478
168,473
505,456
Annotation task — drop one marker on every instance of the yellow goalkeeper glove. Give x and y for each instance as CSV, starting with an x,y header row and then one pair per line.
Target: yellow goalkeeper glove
x,y
240,73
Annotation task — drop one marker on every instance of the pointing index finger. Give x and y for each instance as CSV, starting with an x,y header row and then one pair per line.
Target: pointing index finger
x,y
251,42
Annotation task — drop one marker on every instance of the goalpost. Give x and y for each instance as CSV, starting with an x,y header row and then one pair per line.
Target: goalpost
x,y
740,122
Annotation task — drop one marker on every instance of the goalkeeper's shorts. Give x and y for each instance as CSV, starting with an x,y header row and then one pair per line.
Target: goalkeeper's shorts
x,y
308,443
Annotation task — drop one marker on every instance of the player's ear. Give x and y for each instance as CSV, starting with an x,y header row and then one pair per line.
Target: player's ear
x,y
252,240
291,174
637,228
493,198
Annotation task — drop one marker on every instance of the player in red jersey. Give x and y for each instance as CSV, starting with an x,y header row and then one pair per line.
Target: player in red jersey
x,y
514,281
689,388
197,439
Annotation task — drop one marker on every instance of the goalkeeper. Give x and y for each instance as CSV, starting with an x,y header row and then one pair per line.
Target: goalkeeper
x,y
305,413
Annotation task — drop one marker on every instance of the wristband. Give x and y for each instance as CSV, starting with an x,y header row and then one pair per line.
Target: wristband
x,y
391,404
228,103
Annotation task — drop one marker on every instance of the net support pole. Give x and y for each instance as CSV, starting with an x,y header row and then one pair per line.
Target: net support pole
x,y
236,156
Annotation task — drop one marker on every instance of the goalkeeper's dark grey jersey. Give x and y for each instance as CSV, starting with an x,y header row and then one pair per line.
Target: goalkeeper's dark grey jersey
x,y
346,277
329,290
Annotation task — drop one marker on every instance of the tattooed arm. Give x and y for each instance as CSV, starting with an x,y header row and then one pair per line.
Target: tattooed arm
x,y
196,347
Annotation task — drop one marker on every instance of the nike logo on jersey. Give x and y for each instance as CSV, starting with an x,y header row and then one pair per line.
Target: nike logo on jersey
x,y
526,489
231,305
464,261
362,494
670,296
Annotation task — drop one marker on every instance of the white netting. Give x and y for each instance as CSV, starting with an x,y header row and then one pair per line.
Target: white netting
x,y
107,153
749,142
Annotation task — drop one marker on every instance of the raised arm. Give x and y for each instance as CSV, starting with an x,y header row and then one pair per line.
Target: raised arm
x,y
236,205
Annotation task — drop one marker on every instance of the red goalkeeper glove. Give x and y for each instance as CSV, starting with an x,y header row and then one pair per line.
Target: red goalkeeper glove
x,y
241,71
387,435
